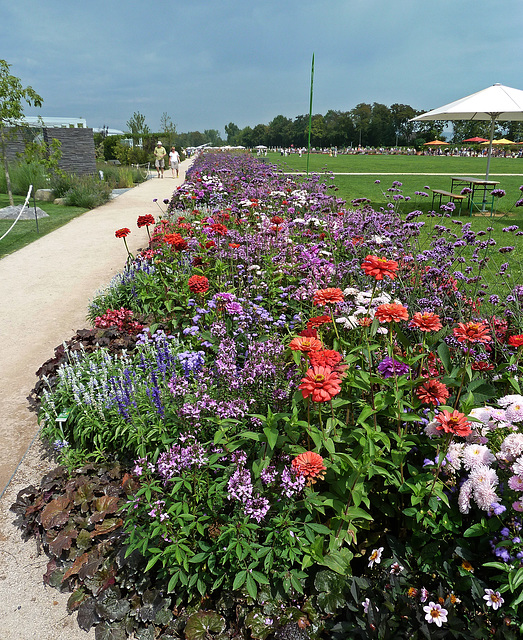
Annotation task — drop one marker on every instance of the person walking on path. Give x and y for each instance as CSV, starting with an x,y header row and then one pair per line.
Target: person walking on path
x,y
174,160
159,158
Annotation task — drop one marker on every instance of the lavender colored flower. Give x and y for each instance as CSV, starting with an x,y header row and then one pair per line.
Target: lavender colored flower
x,y
389,367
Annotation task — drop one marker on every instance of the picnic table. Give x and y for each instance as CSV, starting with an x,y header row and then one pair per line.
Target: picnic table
x,y
478,187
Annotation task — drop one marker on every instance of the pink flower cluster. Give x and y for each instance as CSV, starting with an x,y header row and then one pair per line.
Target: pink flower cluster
x,y
121,318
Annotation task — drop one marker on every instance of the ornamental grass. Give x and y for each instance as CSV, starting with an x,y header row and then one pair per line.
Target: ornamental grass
x,y
357,474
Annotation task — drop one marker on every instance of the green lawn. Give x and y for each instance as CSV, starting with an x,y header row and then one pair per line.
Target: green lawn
x,y
411,171
24,232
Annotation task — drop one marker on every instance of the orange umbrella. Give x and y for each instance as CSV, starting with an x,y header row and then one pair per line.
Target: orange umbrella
x,y
435,142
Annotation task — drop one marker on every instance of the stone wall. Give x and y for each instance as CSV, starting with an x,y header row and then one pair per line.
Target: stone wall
x,y
77,147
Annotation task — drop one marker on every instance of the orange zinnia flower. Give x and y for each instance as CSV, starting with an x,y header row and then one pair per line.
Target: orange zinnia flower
x,y
328,296
516,341
454,422
379,267
321,383
432,392
426,321
305,344
391,313
309,464
472,332
317,321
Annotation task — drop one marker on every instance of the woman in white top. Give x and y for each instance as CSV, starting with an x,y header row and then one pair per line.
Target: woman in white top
x,y
174,161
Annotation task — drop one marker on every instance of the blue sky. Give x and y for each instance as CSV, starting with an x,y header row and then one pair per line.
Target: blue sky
x,y
209,62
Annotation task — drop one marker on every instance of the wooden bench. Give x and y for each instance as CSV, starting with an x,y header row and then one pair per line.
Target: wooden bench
x,y
447,194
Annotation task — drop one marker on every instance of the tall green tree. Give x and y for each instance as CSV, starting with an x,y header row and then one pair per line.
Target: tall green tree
x,y
137,127
12,98
168,129
403,128
232,132
213,136
280,132
361,115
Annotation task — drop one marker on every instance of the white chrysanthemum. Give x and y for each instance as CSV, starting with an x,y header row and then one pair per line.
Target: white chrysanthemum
x,y
505,401
348,322
512,446
474,454
514,412
516,483
465,494
351,291
517,467
482,414
482,475
453,458
485,496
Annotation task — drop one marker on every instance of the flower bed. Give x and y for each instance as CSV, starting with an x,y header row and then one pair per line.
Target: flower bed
x,y
313,430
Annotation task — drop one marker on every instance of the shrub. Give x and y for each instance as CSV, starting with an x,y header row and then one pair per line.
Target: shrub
x,y
61,184
24,174
88,192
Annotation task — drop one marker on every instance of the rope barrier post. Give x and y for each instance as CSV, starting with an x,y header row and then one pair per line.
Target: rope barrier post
x,y
36,214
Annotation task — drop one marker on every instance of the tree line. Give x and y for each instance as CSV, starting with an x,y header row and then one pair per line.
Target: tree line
x,y
367,125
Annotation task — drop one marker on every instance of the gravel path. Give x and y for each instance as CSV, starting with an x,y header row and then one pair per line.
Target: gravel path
x,y
45,289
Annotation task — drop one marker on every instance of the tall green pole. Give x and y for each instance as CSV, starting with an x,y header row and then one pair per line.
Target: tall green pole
x,y
310,116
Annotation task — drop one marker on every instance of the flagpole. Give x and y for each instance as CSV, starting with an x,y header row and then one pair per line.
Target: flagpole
x,y
310,116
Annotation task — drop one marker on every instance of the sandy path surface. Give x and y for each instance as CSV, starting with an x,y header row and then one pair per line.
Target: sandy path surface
x,y
45,289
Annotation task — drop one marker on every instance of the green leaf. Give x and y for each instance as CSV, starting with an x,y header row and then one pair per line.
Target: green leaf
x,y
201,624
475,530
444,354
339,561
271,435
239,580
259,577
251,587
106,631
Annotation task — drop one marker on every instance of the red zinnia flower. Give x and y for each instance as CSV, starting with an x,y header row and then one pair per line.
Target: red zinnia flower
x,y
309,333
122,233
309,464
305,344
325,297
454,422
321,383
317,321
482,365
325,358
175,240
472,332
432,392
391,313
145,221
516,341
426,321
219,229
277,220
379,267
198,284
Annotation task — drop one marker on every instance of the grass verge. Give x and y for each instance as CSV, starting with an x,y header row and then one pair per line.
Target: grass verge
x,y
24,232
